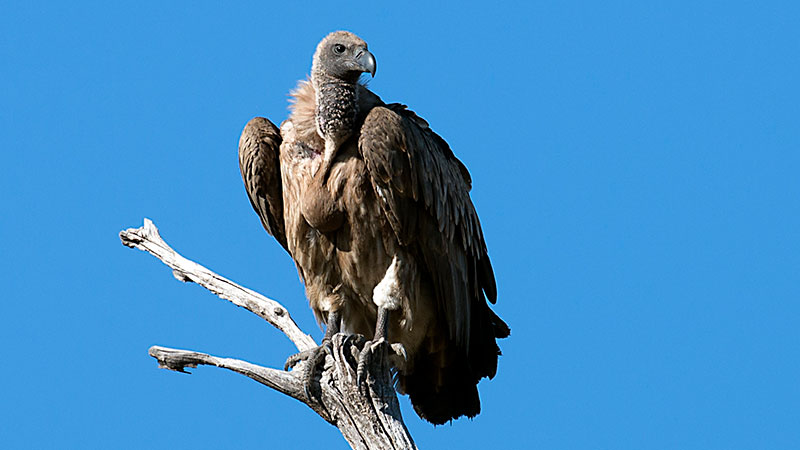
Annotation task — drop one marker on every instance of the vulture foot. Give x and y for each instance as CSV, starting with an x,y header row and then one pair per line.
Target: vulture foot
x,y
314,362
315,357
389,355
393,354
371,350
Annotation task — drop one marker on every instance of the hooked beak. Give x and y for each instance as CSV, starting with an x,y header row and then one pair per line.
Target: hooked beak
x,y
366,62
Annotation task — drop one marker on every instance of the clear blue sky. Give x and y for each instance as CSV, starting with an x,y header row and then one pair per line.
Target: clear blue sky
x,y
635,168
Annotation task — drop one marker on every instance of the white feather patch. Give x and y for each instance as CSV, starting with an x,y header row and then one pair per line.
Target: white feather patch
x,y
387,293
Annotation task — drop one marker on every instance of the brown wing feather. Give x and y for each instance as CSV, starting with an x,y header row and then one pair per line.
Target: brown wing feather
x,y
258,161
424,192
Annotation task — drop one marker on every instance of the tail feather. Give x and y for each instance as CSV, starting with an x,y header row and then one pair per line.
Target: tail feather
x,y
442,382
441,394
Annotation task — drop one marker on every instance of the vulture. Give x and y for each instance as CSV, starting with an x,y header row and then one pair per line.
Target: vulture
x,y
374,209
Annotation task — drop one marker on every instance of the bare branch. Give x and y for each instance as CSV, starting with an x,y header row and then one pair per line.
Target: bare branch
x,y
288,383
369,418
147,238
368,415
179,360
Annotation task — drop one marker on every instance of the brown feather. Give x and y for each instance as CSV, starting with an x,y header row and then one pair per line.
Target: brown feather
x,y
394,190
424,192
258,162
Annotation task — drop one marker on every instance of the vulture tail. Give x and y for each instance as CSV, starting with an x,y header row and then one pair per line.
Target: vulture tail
x,y
443,382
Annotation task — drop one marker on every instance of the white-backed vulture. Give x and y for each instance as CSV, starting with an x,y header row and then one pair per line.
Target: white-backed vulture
x,y
374,208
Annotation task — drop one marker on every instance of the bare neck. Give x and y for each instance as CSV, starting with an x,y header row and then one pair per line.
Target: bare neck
x,y
336,109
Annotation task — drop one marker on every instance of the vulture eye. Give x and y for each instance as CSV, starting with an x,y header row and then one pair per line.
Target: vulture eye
x,y
338,48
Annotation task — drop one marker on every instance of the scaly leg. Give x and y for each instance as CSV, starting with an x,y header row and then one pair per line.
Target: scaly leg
x,y
378,343
387,295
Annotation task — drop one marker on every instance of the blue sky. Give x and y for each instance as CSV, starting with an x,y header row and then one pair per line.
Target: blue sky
x,y
635,167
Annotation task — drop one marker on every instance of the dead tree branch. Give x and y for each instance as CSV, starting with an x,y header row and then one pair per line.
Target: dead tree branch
x,y
148,239
368,416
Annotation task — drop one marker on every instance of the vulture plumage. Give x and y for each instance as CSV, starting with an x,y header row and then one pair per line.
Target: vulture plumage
x,y
374,208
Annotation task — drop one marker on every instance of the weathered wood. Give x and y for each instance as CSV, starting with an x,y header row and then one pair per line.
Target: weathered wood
x,y
147,238
368,415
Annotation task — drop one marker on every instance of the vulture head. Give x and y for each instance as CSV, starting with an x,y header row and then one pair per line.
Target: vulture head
x,y
344,56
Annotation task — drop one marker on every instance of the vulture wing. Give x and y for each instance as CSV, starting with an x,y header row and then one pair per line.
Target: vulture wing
x,y
424,192
258,161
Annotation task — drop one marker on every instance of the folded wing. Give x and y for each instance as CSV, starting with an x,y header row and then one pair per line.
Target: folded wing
x,y
259,148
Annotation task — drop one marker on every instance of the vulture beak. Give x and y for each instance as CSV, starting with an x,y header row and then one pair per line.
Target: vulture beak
x,y
366,62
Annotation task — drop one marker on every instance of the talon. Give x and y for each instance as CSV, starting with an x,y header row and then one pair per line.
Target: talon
x,y
294,359
361,369
356,341
399,350
314,358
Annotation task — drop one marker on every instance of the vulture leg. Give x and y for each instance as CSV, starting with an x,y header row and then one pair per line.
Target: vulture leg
x,y
315,357
378,345
387,296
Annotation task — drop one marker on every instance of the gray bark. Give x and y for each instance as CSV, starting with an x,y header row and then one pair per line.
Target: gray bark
x,y
368,415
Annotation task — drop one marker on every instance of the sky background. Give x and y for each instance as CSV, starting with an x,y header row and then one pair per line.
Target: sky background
x,y
635,168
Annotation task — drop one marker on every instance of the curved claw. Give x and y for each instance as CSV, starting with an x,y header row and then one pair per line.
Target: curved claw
x,y
398,355
314,358
297,358
370,348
